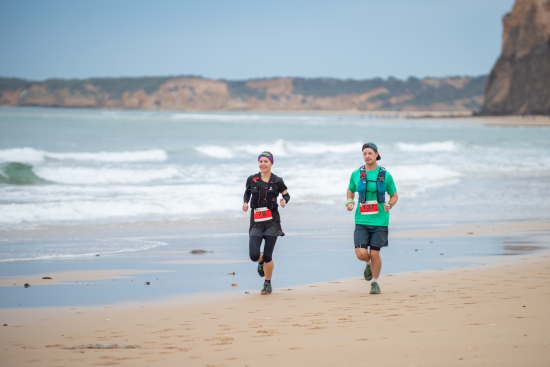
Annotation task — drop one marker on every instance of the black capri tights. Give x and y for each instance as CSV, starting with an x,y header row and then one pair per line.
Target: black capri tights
x,y
255,243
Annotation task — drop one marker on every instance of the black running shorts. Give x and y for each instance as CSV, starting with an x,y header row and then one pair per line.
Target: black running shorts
x,y
373,236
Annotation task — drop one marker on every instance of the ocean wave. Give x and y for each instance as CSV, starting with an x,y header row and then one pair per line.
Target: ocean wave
x,y
279,148
412,180
15,173
92,176
64,252
168,202
445,146
215,151
423,172
30,155
250,117
188,195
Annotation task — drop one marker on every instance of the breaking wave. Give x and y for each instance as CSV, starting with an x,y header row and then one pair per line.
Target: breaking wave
x,y
30,155
15,173
445,146
94,176
279,148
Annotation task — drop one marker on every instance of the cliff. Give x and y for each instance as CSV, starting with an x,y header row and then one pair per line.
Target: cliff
x,y
275,94
520,80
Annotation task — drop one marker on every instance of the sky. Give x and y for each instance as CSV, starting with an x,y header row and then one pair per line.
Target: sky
x,y
243,39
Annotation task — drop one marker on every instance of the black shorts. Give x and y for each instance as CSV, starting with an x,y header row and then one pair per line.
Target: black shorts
x,y
262,229
373,236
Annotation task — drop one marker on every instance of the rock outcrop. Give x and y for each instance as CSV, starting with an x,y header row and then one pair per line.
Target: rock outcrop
x,y
519,83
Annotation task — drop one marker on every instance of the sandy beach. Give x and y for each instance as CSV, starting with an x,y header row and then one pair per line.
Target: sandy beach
x,y
489,315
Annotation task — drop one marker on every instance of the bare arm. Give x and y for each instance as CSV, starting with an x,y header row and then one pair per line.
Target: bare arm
x,y
283,201
246,196
391,202
350,195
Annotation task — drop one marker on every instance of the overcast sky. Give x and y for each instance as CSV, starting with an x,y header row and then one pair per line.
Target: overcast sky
x,y
233,39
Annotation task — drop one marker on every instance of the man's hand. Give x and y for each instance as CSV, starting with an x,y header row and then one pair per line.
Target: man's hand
x,y
387,207
245,207
282,202
350,206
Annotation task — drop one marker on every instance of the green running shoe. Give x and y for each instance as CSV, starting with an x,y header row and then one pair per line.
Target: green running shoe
x,y
374,288
367,273
266,289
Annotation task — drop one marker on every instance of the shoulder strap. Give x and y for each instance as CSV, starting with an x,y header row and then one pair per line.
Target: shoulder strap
x,y
381,185
381,174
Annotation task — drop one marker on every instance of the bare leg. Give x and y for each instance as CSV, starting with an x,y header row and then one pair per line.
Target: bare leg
x,y
362,254
376,263
374,257
268,269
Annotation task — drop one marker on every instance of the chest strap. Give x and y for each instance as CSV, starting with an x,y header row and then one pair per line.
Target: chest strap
x,y
380,185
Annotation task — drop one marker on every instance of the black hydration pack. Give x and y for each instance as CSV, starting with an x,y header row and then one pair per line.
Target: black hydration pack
x,y
380,185
270,194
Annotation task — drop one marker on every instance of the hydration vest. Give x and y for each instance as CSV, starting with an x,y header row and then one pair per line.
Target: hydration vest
x,y
270,194
380,185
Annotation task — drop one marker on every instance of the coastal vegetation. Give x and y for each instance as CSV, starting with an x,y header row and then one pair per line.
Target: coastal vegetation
x,y
269,94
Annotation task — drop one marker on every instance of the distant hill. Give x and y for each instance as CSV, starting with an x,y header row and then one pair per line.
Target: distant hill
x,y
273,94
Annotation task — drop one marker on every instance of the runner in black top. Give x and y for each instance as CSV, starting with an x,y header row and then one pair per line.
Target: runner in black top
x,y
262,190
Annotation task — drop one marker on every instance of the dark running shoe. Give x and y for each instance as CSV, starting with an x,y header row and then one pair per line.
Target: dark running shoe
x,y
261,269
367,273
266,289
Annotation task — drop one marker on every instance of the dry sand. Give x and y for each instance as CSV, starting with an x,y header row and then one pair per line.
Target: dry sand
x,y
480,316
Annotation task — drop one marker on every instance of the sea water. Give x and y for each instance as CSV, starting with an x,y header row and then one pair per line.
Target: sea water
x,y
62,169
66,167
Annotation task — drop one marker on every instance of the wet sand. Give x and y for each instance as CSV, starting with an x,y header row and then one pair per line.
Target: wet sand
x,y
491,315
72,276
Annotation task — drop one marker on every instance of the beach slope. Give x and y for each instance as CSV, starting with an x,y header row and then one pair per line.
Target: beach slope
x,y
490,315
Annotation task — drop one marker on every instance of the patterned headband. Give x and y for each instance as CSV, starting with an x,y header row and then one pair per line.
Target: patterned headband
x,y
266,155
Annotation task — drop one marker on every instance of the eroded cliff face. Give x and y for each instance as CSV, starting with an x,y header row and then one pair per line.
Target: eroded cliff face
x,y
520,80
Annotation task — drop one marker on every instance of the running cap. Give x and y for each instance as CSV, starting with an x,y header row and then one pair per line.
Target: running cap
x,y
266,154
373,147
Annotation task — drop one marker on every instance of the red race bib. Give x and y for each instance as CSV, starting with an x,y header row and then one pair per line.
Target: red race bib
x,y
262,214
369,208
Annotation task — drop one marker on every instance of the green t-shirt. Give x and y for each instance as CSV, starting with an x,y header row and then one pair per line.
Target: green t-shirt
x,y
383,217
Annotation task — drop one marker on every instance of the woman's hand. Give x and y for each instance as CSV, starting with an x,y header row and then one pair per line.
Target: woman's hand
x,y
282,202
245,207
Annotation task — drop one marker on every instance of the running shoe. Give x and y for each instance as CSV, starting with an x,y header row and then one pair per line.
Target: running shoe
x,y
261,266
367,273
261,269
374,288
266,289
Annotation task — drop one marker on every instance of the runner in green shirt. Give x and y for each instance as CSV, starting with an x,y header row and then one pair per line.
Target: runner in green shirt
x,y
371,216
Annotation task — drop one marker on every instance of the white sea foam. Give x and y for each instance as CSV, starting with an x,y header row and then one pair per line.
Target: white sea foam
x,y
330,183
215,117
256,118
69,251
30,155
128,202
279,148
414,179
88,176
215,151
445,146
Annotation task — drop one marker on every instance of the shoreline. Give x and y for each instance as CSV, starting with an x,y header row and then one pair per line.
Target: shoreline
x,y
447,116
490,314
167,262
